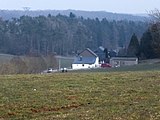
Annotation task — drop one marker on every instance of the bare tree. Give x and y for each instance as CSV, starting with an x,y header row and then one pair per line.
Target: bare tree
x,y
18,65
15,66
155,32
155,14
35,64
51,61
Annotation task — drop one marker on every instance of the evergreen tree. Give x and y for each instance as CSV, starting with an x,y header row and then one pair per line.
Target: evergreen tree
x,y
133,48
146,45
72,15
155,30
150,42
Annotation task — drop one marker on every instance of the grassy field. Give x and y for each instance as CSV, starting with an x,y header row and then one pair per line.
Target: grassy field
x,y
81,96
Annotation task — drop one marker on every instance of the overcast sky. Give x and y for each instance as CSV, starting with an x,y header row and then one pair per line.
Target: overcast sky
x,y
116,6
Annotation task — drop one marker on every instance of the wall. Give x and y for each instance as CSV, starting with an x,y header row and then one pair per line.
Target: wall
x,y
85,66
119,62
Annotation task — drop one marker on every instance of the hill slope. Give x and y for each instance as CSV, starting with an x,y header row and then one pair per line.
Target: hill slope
x,y
8,14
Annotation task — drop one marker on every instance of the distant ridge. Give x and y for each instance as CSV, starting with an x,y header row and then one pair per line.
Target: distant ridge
x,y
9,14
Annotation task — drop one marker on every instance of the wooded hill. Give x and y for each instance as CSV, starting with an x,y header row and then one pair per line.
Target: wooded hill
x,y
64,35
9,14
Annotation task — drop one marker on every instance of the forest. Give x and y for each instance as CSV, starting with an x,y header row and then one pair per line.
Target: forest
x,y
65,35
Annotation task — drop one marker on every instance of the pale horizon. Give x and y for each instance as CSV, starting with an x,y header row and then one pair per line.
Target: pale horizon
x,y
114,6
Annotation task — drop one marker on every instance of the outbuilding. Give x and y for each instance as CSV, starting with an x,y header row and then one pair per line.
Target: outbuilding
x,y
123,61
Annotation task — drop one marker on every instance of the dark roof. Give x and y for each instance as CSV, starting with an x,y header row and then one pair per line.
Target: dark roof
x,y
87,53
84,60
85,57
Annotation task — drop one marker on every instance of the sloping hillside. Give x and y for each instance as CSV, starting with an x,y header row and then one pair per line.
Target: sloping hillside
x,y
9,14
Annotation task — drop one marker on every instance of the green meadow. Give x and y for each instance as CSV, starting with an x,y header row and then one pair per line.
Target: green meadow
x,y
81,96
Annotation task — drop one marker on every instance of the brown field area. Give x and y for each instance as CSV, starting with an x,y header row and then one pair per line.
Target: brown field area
x,y
81,96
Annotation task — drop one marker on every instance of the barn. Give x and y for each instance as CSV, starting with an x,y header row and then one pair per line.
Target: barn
x,y
123,61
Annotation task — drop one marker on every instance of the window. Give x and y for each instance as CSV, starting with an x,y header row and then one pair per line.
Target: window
x,y
80,58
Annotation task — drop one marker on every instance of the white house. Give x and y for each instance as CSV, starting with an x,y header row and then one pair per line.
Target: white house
x,y
86,59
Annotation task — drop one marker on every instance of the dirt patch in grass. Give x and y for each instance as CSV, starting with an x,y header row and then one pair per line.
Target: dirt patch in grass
x,y
46,109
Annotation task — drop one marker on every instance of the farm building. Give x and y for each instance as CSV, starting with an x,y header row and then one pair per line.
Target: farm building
x,y
100,52
123,61
86,59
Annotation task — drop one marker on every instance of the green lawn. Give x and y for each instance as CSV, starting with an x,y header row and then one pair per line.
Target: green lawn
x,y
81,96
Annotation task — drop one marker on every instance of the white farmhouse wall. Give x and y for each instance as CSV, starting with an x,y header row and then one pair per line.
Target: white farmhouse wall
x,y
85,66
82,66
97,61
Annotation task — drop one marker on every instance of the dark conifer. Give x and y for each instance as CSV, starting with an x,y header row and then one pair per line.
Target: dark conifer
x,y
133,48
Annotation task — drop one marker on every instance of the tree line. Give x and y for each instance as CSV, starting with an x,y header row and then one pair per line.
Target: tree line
x,y
64,35
148,47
